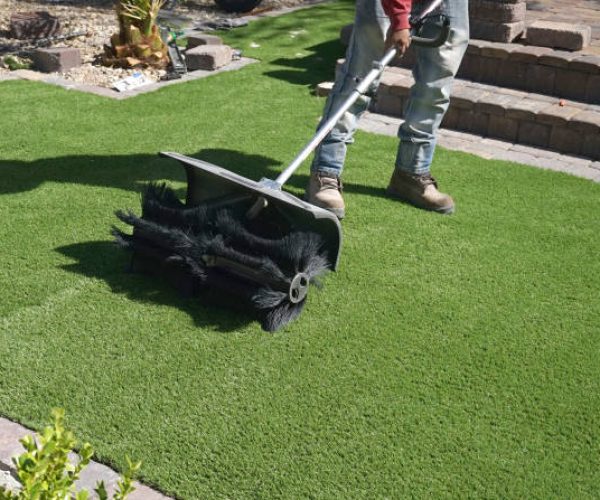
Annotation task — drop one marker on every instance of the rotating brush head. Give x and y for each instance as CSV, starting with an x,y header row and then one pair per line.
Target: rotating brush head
x,y
271,272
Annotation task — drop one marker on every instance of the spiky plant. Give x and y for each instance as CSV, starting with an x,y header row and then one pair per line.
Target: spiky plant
x,y
138,42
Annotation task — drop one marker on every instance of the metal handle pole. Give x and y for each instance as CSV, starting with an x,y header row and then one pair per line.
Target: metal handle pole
x,y
328,126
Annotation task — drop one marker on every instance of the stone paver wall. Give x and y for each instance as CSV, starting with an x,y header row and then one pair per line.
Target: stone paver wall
x,y
497,20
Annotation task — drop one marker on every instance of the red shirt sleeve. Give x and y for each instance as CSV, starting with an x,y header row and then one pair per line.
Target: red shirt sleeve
x,y
398,11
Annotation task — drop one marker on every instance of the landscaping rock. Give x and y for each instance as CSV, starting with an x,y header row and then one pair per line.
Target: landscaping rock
x,y
208,57
60,59
41,24
559,35
492,10
323,89
497,20
497,32
198,39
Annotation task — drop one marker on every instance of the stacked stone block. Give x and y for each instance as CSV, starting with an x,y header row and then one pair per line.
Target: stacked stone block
x,y
206,52
497,20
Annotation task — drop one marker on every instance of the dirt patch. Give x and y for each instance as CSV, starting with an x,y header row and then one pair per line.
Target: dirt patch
x,y
97,21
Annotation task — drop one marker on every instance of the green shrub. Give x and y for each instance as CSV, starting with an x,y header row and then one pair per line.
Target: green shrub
x,y
13,63
45,472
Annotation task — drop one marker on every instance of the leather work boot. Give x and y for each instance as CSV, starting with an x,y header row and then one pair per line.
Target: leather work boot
x,y
420,191
325,191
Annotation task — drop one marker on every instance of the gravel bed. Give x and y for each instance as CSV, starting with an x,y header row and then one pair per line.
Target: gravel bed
x,y
96,18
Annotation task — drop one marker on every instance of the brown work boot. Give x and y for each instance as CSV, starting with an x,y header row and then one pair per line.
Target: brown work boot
x,y
325,191
420,191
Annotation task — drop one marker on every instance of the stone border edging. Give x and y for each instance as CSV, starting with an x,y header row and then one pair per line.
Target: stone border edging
x,y
53,79
511,115
11,433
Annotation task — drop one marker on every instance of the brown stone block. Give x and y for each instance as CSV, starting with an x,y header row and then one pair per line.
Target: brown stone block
x,y
534,134
323,89
586,63
586,122
470,121
498,50
591,146
540,79
557,115
388,105
559,35
592,94
198,39
525,109
570,85
491,10
208,57
504,128
527,54
511,74
470,67
558,58
565,140
58,60
488,70
494,104
461,98
496,32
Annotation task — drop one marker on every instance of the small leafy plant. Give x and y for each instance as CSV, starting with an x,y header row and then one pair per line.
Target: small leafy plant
x,y
13,62
45,471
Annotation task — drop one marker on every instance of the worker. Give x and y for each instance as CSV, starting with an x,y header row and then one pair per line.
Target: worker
x,y
379,25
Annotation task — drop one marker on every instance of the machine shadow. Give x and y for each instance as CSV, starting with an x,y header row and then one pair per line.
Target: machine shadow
x,y
104,260
126,172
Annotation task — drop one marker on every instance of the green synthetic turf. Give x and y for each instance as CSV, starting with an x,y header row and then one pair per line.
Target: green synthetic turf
x,y
450,356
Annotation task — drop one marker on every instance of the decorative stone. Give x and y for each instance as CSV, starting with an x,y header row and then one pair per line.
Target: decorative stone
x,y
208,57
497,32
323,89
557,115
59,60
586,63
504,128
198,39
566,141
569,85
492,10
34,25
534,134
559,35
528,54
540,79
525,109
593,89
591,147
494,104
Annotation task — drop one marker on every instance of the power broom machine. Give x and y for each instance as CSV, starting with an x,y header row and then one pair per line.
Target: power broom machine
x,y
244,238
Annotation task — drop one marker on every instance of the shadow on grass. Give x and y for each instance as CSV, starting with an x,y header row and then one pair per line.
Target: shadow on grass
x,y
127,172
104,260
312,69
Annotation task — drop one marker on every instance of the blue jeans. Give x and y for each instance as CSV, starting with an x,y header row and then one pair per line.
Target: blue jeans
x,y
434,73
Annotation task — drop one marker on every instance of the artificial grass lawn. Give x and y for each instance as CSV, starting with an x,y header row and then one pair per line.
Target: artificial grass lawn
x,y
450,356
